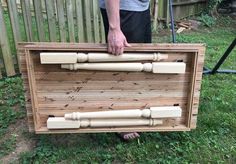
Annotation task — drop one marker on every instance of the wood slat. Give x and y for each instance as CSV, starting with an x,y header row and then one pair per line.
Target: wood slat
x,y
69,106
0,74
180,127
12,9
39,20
25,5
107,76
5,46
155,17
32,85
51,20
73,86
61,20
102,31
70,19
87,8
96,21
80,20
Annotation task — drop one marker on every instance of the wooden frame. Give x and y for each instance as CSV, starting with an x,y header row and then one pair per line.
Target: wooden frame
x,y
54,91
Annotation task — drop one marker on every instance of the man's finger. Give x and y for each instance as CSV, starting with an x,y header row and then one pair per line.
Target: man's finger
x,y
109,48
127,44
113,50
121,50
117,51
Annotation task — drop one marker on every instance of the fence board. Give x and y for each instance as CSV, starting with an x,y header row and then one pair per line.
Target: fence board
x,y
88,26
96,21
102,31
161,9
80,20
70,19
12,9
51,20
5,46
155,13
167,13
25,5
61,20
87,5
0,74
39,20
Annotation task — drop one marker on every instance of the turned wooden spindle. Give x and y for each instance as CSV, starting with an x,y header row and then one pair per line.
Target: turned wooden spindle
x,y
62,123
71,58
155,67
153,112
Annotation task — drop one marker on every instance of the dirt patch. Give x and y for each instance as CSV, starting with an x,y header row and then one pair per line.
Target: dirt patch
x,y
23,142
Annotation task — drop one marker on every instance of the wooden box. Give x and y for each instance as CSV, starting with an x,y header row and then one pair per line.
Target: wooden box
x,y
52,91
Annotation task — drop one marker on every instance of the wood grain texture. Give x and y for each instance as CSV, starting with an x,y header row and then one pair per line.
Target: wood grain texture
x,y
60,91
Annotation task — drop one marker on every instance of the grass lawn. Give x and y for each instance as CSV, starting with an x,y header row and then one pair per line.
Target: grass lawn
x,y
214,140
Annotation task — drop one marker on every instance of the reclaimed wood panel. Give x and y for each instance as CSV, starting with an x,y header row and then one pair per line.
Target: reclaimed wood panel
x,y
53,91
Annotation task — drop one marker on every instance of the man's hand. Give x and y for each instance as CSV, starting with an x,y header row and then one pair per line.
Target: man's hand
x,y
116,39
116,42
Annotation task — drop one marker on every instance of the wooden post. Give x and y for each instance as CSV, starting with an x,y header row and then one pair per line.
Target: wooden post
x,y
153,112
69,58
61,123
155,67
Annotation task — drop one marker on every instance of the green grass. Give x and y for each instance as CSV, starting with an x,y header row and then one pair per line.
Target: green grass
x,y
214,140
12,108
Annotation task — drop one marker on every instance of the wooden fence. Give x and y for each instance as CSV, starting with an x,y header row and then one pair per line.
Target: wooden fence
x,y
65,21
